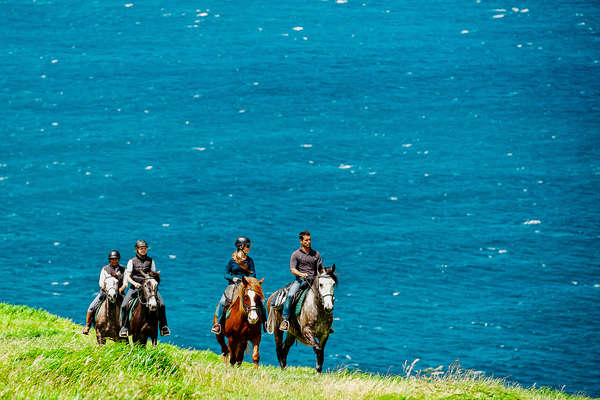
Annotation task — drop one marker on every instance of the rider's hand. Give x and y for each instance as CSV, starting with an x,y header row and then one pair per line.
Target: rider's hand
x,y
236,280
137,285
122,289
304,275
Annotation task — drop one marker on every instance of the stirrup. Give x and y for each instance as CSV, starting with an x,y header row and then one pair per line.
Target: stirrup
x,y
124,332
216,329
284,326
165,331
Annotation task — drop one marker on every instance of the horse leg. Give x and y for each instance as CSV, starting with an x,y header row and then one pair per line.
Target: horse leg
x,y
100,339
255,353
320,352
284,348
241,349
233,346
154,340
279,347
224,349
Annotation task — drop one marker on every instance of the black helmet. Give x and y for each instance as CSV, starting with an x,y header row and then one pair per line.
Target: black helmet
x,y
242,242
141,243
114,254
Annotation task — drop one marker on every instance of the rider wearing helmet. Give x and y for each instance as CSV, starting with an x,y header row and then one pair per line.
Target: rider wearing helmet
x,y
240,264
137,268
114,269
304,264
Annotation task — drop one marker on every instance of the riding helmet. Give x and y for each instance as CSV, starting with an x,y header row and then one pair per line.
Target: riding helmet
x,y
141,243
242,242
114,254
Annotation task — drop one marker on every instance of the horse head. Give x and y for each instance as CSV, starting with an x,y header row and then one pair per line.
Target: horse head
x,y
149,289
252,294
111,287
326,281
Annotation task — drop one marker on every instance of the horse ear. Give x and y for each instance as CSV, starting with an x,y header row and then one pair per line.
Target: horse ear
x,y
333,268
244,280
320,269
261,281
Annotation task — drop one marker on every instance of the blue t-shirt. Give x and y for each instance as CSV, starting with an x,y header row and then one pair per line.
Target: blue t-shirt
x,y
233,270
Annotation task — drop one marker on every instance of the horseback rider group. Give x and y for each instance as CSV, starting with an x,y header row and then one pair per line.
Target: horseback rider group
x,y
136,271
305,263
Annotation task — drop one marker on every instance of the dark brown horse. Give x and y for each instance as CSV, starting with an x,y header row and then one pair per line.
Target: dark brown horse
x,y
144,318
108,317
243,323
313,326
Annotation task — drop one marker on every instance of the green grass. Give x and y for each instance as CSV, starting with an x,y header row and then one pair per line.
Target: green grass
x,y
44,356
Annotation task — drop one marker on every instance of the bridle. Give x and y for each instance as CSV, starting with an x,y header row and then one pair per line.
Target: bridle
x,y
248,309
142,290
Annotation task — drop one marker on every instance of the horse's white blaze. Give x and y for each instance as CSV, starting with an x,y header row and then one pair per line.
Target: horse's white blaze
x,y
152,303
326,288
253,316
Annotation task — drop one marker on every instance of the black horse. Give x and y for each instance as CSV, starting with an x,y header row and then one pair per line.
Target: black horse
x,y
144,318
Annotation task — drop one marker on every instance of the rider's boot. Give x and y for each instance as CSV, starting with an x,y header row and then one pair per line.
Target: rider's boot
x,y
162,321
124,332
88,323
284,326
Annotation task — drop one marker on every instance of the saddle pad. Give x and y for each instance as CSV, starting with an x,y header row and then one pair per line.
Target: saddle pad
x,y
281,294
300,301
131,306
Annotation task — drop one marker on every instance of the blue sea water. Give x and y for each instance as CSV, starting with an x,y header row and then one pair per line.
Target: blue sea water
x,y
445,156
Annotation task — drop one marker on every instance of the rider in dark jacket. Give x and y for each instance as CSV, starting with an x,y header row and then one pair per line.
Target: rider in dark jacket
x,y
137,268
240,264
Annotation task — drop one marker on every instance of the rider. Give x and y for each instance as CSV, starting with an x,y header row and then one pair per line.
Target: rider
x,y
114,269
137,268
304,264
240,264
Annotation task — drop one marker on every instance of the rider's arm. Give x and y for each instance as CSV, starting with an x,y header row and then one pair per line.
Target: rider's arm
x,y
126,278
251,268
228,270
293,264
153,267
319,263
102,278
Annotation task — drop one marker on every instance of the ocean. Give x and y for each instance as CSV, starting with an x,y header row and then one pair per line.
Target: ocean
x,y
445,156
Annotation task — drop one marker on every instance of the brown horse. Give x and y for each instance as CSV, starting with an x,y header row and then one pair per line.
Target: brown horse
x,y
242,325
313,326
144,318
108,318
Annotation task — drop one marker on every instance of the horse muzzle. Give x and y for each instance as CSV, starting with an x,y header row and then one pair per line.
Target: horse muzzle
x,y
152,305
112,296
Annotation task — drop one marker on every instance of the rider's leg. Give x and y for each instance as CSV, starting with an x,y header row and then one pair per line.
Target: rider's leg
x,y
162,316
125,312
219,315
263,314
288,302
92,310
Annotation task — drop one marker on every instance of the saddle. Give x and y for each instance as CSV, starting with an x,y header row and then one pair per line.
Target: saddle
x,y
281,294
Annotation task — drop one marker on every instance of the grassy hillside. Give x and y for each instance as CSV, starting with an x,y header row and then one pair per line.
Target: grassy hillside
x,y
44,356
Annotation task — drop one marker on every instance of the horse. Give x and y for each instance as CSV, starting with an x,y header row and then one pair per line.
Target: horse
x,y
108,317
313,325
144,317
243,323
